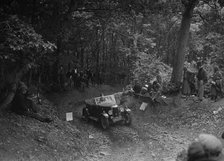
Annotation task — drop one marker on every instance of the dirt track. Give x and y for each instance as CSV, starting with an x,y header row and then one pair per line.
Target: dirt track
x,y
144,140
154,137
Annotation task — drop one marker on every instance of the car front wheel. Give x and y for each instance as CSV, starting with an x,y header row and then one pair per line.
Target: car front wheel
x,y
104,122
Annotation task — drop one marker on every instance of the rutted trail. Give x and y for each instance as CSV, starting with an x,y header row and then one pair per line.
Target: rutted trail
x,y
117,143
149,137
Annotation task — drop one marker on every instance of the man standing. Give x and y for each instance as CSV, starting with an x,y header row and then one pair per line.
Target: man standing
x,y
75,77
186,86
88,76
216,87
61,74
202,79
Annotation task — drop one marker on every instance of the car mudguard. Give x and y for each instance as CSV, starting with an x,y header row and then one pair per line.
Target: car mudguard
x,y
105,115
128,110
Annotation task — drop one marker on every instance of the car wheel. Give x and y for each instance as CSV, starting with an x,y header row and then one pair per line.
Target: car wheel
x,y
127,119
85,114
104,122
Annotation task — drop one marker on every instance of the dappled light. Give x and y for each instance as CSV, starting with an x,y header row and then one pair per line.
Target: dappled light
x,y
111,80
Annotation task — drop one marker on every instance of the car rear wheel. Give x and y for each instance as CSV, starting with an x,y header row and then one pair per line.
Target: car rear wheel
x,y
104,122
85,114
127,119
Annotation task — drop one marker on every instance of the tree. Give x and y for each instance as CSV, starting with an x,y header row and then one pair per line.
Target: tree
x,y
21,48
189,6
113,37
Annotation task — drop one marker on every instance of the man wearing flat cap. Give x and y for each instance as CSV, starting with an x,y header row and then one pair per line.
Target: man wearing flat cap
x,y
206,148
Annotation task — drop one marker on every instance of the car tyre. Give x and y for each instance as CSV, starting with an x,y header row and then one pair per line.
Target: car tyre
x,y
127,119
85,115
104,122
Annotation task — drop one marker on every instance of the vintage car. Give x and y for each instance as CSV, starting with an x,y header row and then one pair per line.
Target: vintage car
x,y
106,110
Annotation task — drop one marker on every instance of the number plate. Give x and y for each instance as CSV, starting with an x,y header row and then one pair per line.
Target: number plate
x,y
115,119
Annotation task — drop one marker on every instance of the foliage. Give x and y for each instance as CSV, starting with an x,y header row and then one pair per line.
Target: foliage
x,y
148,67
21,41
207,40
112,37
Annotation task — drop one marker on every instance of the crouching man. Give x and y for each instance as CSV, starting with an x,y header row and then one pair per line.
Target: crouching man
x,y
23,106
206,148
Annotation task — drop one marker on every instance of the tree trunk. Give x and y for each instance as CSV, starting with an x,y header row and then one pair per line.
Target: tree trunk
x,y
182,41
33,12
30,75
82,56
12,80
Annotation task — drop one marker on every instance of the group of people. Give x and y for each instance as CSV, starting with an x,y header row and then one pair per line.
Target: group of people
x,y
152,89
79,79
194,82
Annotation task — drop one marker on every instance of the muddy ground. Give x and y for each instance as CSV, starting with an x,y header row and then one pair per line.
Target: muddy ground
x,y
154,136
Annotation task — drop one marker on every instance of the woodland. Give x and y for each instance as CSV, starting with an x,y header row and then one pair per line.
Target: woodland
x,y
120,39
121,42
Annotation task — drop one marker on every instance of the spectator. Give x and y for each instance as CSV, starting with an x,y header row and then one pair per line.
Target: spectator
x,y
82,80
69,78
216,87
206,148
79,79
192,82
156,87
186,85
61,74
75,77
22,105
202,79
89,77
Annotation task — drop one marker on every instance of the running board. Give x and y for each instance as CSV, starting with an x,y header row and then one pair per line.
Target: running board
x,y
93,118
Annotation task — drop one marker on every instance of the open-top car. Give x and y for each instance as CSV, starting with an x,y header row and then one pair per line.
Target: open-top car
x,y
106,110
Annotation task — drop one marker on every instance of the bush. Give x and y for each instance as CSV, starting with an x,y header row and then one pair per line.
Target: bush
x,y
148,68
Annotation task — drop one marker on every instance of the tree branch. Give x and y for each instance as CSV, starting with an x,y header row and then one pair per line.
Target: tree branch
x,y
6,2
202,18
